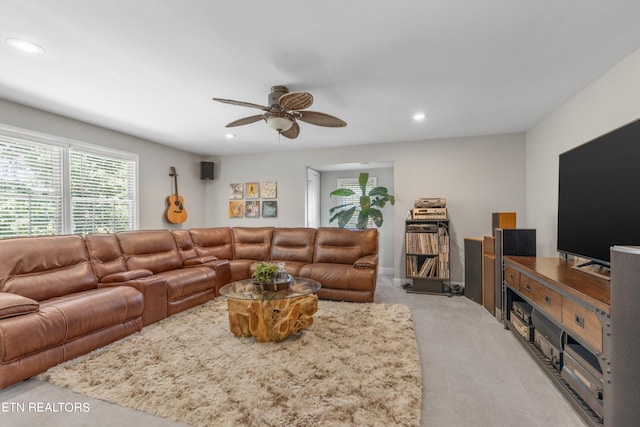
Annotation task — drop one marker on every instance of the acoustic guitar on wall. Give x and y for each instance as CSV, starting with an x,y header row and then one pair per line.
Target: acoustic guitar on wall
x,y
176,213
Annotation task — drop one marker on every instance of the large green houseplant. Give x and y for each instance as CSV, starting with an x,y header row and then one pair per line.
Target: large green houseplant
x,y
369,204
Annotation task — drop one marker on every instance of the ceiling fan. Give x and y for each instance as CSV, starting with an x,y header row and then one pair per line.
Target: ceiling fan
x,y
284,110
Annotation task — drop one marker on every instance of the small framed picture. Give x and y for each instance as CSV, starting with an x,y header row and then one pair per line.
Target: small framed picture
x,y
235,209
252,208
235,191
252,190
269,208
268,189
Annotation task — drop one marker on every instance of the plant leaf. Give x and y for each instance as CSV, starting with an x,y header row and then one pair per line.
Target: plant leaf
x,y
342,192
343,217
362,181
376,216
379,191
339,207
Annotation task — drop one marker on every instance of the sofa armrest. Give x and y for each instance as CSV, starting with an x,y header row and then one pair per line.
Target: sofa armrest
x,y
15,305
368,261
125,276
154,294
199,261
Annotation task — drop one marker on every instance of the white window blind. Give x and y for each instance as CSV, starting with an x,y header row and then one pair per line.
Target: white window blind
x,y
352,184
102,193
51,186
31,188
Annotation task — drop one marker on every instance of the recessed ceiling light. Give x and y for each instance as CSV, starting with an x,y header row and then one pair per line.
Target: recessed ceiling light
x,y
24,45
230,135
419,116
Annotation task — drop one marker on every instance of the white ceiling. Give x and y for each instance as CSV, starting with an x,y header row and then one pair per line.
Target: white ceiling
x,y
150,67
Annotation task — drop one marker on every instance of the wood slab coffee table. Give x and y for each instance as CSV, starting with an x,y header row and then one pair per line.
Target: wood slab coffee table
x,y
270,316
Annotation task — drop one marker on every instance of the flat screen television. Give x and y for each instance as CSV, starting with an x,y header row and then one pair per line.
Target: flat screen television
x,y
599,195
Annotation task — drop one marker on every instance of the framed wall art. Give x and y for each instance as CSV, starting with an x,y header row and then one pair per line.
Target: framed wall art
x,y
236,191
268,189
269,208
235,209
251,190
252,209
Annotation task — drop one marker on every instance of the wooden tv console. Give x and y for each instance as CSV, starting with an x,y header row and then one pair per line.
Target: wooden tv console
x,y
576,302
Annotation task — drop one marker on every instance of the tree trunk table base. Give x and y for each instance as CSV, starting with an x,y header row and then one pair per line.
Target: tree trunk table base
x,y
271,320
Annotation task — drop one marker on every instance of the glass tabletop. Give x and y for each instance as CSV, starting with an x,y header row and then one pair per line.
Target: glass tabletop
x,y
247,290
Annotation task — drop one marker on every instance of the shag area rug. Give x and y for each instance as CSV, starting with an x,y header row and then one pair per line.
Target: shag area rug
x,y
356,365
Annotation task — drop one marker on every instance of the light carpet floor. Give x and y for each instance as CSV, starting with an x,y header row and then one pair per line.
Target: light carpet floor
x,y
356,365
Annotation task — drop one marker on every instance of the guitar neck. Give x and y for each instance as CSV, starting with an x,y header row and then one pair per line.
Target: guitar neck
x,y
175,183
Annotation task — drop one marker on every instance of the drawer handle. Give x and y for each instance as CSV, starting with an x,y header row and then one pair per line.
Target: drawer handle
x,y
580,320
547,299
528,286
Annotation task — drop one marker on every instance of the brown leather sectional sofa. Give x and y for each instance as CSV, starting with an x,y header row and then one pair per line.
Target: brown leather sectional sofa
x,y
63,296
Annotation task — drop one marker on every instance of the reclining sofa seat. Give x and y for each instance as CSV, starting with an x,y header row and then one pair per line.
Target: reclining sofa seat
x,y
347,261
157,251
52,308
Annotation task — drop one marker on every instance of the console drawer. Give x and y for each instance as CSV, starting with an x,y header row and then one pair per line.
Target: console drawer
x,y
582,323
512,277
549,301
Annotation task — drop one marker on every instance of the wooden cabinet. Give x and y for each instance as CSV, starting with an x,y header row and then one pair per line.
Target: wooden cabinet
x,y
579,305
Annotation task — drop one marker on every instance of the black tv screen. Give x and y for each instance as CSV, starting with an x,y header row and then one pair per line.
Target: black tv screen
x,y
599,195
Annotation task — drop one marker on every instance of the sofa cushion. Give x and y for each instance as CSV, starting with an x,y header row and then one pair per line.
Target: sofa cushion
x,y
105,254
252,242
15,305
45,267
89,311
292,244
188,281
154,250
217,242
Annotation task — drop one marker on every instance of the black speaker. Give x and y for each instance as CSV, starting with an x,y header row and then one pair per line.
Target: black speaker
x,y
206,170
473,269
510,241
621,392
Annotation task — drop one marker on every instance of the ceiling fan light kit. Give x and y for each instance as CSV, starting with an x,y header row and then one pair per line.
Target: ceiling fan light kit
x,y
284,109
278,120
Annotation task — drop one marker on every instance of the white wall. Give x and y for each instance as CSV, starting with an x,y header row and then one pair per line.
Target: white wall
x,y
477,176
608,103
154,182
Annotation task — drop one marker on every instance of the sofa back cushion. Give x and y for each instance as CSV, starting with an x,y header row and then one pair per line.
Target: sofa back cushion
x,y
154,250
105,254
185,244
45,267
293,244
217,242
343,246
252,242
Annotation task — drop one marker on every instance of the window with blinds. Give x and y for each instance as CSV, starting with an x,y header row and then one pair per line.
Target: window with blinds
x,y
102,193
352,184
30,187
61,188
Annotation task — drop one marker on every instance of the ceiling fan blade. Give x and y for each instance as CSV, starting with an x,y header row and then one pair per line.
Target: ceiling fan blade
x,y
241,103
245,121
321,119
296,100
292,132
